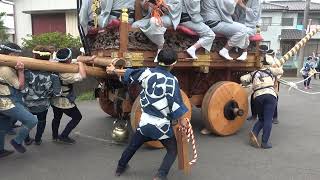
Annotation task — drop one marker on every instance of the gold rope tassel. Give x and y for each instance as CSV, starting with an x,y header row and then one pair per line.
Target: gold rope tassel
x,y
95,8
297,47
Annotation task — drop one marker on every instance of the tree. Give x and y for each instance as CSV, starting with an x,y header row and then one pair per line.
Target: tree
x,y
56,39
3,30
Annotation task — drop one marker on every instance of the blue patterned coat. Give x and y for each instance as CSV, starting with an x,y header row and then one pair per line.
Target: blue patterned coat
x,y
160,99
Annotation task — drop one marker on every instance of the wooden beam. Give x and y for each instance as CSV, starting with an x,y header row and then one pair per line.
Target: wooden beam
x,y
101,61
43,65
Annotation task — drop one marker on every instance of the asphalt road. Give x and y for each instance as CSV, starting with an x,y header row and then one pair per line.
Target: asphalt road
x,y
295,155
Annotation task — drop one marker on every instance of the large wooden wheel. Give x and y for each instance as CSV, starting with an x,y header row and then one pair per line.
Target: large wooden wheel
x,y
136,114
106,105
225,108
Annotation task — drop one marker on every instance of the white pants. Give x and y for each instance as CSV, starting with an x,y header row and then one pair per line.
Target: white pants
x,y
251,31
235,32
153,30
205,33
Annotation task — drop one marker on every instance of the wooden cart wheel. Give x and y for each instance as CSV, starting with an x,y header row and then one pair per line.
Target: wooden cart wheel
x,y
106,105
225,108
136,114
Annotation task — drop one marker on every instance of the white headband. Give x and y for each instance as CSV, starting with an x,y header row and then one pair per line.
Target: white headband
x,y
162,64
42,53
10,49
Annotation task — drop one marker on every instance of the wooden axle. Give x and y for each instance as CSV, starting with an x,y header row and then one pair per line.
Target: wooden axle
x,y
43,65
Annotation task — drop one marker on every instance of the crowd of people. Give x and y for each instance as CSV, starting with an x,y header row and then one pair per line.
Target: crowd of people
x,y
235,19
26,95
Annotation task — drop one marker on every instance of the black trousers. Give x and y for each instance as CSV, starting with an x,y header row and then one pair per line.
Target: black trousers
x,y
254,109
75,115
265,105
136,142
306,81
315,75
41,125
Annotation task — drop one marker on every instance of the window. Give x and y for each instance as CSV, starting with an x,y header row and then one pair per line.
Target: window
x,y
315,21
287,22
267,43
300,21
266,21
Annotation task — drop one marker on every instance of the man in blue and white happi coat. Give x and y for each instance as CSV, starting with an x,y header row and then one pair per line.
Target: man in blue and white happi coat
x,y
161,102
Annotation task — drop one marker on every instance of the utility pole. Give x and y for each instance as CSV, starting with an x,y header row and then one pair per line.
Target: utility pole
x,y
303,33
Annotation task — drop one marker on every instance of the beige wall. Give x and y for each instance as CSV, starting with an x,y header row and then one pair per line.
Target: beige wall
x,y
23,20
72,23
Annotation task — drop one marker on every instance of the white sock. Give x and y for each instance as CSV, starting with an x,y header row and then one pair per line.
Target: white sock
x,y
156,58
192,52
225,53
243,56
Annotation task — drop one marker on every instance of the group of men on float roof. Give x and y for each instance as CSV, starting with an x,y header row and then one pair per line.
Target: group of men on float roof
x,y
235,19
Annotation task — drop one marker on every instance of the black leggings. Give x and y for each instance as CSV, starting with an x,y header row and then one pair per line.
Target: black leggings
x,y
306,83
41,125
138,139
75,115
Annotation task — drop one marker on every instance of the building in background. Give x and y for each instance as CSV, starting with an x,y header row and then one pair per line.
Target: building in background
x,y
42,16
281,25
8,8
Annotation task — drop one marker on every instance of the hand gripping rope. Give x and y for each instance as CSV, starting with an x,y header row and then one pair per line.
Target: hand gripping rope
x,y
189,132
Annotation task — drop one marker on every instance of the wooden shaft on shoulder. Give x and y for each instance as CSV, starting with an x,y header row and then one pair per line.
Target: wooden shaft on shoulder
x,y
43,65
102,61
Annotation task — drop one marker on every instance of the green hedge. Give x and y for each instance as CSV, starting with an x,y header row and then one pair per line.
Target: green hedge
x,y
56,39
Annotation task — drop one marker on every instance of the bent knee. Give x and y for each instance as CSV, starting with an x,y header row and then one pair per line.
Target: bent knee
x,y
173,152
31,123
211,34
135,25
153,20
78,117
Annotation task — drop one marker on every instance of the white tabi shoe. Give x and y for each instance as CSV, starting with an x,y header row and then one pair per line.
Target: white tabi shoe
x,y
243,56
192,52
225,53
205,131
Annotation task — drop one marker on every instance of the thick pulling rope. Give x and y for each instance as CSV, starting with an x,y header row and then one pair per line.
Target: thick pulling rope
x,y
293,85
189,132
297,47
292,52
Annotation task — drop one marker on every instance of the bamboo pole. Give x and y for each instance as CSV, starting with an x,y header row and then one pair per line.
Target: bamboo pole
x,y
43,65
297,47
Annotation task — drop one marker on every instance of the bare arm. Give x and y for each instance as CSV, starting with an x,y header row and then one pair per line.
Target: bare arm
x,y
246,79
82,70
20,69
112,70
276,70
